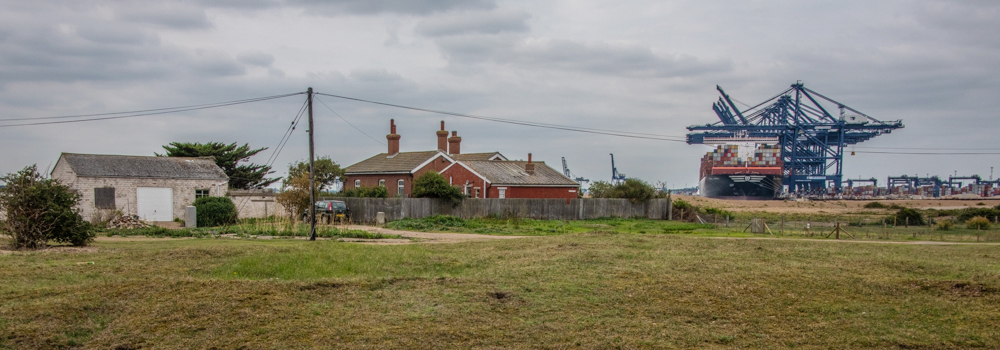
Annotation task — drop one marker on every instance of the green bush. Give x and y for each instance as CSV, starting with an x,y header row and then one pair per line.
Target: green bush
x,y
215,211
969,213
368,192
682,204
433,185
876,205
944,225
635,190
39,210
978,222
715,211
912,214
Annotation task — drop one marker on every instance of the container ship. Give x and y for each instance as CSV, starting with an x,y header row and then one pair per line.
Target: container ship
x,y
728,173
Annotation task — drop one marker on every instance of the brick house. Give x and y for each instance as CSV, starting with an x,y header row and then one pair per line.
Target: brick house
x,y
153,188
510,179
479,175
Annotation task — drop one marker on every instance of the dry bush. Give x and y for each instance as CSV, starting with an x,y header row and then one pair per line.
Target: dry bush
x,y
978,222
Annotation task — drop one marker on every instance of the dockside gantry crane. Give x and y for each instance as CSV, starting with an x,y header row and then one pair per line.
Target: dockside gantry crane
x,y
812,140
616,177
579,179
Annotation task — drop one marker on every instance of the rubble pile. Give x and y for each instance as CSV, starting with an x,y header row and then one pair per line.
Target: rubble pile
x,y
126,222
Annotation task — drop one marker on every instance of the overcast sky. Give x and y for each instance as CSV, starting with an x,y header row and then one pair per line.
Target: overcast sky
x,y
637,66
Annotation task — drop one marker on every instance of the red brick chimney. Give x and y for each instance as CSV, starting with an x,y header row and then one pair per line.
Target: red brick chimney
x,y
442,139
530,167
393,138
454,143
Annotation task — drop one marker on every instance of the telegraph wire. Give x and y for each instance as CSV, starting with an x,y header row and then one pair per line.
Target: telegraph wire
x,y
349,123
141,113
933,153
524,123
288,132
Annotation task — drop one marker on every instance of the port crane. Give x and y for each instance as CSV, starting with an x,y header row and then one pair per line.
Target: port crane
x,y
616,177
799,120
579,179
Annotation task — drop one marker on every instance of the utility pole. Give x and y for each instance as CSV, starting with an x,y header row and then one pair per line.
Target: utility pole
x,y
312,169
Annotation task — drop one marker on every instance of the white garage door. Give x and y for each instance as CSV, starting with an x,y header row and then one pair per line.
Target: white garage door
x,y
155,203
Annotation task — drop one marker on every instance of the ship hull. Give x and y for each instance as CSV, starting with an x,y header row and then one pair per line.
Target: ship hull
x,y
740,186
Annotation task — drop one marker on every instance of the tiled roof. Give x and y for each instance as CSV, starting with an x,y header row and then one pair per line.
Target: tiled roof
x,y
99,165
512,172
477,156
382,163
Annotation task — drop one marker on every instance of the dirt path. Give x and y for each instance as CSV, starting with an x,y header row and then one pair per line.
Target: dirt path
x,y
421,237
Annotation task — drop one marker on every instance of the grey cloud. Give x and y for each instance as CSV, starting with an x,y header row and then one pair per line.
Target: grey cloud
x,y
418,7
260,59
213,64
97,51
176,15
568,55
358,7
488,22
375,75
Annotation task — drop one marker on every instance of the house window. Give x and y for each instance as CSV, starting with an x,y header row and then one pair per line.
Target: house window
x,y
104,198
400,184
357,183
200,193
477,193
381,183
503,193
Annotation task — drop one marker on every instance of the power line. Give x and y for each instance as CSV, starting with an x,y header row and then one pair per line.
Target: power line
x,y
133,114
932,148
524,123
349,123
932,153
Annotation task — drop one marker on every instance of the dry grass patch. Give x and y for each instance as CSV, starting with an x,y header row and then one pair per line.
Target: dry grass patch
x,y
572,291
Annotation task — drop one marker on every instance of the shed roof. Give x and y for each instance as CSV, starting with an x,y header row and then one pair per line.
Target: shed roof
x,y
100,165
511,172
383,163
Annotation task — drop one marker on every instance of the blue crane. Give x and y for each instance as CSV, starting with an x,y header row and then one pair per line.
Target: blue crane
x,y
616,177
812,140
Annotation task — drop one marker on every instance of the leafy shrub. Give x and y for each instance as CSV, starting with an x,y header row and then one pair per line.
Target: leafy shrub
x,y
433,185
368,192
39,210
215,211
716,211
978,222
944,225
876,205
682,204
635,190
912,214
969,213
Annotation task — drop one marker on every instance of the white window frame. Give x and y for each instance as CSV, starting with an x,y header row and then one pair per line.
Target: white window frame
x,y
503,192
477,193
381,183
401,185
357,183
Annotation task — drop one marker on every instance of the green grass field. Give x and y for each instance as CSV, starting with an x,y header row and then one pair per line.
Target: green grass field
x,y
576,290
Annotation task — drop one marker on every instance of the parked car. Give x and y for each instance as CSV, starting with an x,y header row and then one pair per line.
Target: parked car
x,y
330,210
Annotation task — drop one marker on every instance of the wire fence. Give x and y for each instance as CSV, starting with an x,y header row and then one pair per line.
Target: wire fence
x,y
856,227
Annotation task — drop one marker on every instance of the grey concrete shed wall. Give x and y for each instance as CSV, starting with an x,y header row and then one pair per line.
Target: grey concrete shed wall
x,y
125,190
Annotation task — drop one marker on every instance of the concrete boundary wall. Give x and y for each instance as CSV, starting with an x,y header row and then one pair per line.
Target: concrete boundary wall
x,y
365,209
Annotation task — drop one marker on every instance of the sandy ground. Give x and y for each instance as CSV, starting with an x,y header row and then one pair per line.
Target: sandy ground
x,y
834,206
